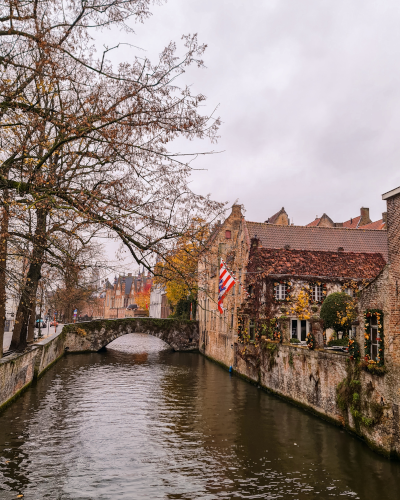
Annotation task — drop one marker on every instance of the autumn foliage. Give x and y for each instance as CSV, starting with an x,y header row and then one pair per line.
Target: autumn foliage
x,y
142,298
178,272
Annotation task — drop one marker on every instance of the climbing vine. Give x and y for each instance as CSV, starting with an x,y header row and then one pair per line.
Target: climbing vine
x,y
350,397
354,350
301,307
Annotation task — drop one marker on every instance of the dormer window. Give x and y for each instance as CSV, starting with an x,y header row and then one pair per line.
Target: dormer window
x,y
227,234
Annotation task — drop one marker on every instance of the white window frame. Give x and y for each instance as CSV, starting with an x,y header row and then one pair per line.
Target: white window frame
x,y
374,327
299,328
317,293
280,291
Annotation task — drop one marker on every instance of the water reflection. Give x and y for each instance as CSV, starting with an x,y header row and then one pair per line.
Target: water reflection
x,y
141,422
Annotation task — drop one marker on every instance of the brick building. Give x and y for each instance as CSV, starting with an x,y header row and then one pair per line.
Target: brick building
x,y
121,295
323,258
333,256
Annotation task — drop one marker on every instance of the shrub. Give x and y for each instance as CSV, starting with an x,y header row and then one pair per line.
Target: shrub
x,y
338,311
294,341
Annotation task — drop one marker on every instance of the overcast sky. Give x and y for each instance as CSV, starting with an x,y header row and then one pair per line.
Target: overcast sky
x,y
309,95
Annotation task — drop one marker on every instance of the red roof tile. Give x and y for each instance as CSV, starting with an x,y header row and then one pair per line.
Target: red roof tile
x,y
302,263
379,224
318,238
352,223
314,222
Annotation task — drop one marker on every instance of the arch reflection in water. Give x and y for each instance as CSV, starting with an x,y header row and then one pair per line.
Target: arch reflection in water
x,y
141,422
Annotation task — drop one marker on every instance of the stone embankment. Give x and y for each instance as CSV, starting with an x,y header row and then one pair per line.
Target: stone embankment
x,y
326,383
19,370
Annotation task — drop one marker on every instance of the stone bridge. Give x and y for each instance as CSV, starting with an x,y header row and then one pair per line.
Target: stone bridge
x,y
181,335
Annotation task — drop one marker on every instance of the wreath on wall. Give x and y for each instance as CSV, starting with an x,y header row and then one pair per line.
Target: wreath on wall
x,y
368,315
289,290
309,288
310,339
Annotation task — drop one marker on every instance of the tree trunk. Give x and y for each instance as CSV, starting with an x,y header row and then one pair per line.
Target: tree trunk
x,y
18,342
3,263
31,324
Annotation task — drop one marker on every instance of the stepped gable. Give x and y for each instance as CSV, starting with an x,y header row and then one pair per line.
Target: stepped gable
x,y
325,239
317,264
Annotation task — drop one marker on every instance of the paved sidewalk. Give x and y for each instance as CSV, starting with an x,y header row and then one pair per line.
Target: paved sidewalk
x,y
46,332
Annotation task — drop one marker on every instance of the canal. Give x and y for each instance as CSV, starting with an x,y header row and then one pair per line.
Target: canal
x,y
140,422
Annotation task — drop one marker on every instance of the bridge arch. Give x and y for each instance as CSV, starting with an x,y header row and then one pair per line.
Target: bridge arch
x,y
92,336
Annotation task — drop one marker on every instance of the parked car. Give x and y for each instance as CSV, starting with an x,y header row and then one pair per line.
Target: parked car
x,y
40,322
54,323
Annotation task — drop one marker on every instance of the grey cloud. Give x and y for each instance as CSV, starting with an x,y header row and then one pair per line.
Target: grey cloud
x,y
309,94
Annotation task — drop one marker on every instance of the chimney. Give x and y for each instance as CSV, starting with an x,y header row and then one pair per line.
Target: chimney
x,y
384,217
364,212
237,211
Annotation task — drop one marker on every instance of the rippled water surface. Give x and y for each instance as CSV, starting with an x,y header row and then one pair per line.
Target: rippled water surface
x,y
139,422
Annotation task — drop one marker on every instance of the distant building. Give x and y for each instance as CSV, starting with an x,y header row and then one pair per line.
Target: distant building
x,y
159,307
362,221
121,294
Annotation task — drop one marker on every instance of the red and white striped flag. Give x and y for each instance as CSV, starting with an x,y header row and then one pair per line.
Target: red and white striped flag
x,y
226,282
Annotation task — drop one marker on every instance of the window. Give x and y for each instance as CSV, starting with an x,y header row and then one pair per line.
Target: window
x,y
227,235
252,329
350,292
374,338
316,293
299,329
280,291
294,328
231,320
233,289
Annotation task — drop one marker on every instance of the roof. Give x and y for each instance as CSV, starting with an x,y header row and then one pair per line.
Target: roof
x,y
273,219
379,224
352,223
326,239
314,223
350,265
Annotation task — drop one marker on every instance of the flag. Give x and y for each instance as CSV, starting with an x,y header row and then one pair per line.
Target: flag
x,y
226,282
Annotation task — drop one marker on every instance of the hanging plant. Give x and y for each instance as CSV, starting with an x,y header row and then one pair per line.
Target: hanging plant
x,y
368,315
354,350
310,339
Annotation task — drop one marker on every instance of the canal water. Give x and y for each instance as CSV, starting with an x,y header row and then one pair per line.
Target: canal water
x,y
140,422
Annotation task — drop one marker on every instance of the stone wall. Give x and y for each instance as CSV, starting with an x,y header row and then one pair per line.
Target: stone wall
x,y
181,335
16,374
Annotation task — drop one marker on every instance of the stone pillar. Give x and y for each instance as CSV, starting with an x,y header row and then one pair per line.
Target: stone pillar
x,y
317,330
284,324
